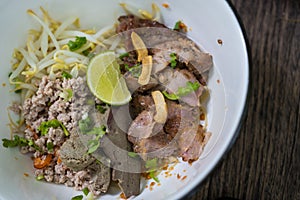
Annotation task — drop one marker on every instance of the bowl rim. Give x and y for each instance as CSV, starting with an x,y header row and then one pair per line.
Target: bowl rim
x,y
190,193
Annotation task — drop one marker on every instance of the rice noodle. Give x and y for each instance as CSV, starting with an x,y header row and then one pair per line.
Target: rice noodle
x,y
46,64
156,13
102,31
115,43
44,42
45,27
64,54
90,38
64,26
18,71
144,14
131,9
28,59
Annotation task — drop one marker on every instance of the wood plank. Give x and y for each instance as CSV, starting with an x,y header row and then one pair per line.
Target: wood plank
x,y
264,163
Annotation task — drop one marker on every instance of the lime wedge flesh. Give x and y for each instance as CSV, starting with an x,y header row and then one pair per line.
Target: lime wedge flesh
x,y
105,80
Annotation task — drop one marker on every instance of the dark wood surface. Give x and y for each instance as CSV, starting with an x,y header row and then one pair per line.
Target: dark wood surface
x,y
264,162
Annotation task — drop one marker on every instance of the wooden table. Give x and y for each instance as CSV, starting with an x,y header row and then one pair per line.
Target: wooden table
x,y
264,162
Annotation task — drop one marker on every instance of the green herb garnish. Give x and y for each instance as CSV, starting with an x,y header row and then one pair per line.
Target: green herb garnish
x,y
151,164
16,141
75,45
124,55
94,144
86,52
177,26
50,146
35,146
20,142
66,94
132,154
101,108
85,125
17,79
86,191
18,91
97,131
66,75
152,175
78,197
190,87
90,102
182,91
40,177
135,70
54,123
171,96
173,60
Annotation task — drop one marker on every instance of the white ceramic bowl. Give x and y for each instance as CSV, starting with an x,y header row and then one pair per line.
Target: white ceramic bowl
x,y
209,21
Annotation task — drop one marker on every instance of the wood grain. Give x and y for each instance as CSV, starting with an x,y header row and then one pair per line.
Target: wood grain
x,y
264,162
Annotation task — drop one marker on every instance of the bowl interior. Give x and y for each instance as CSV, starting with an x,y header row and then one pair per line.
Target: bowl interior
x,y
208,21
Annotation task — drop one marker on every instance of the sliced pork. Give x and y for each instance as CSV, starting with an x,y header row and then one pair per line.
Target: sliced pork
x,y
139,103
162,42
186,51
172,80
181,134
133,85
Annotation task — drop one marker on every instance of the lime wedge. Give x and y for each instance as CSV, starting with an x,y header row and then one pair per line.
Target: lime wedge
x,y
105,80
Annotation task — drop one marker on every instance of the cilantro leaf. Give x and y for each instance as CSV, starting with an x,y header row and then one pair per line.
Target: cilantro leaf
x,y
190,87
101,108
18,91
94,144
40,177
66,94
151,164
78,197
44,127
173,60
16,141
182,91
66,132
54,123
177,26
97,131
35,146
153,176
86,52
124,55
50,146
66,75
170,96
20,142
135,70
90,102
85,125
86,191
17,86
180,26
75,45
193,86
132,154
